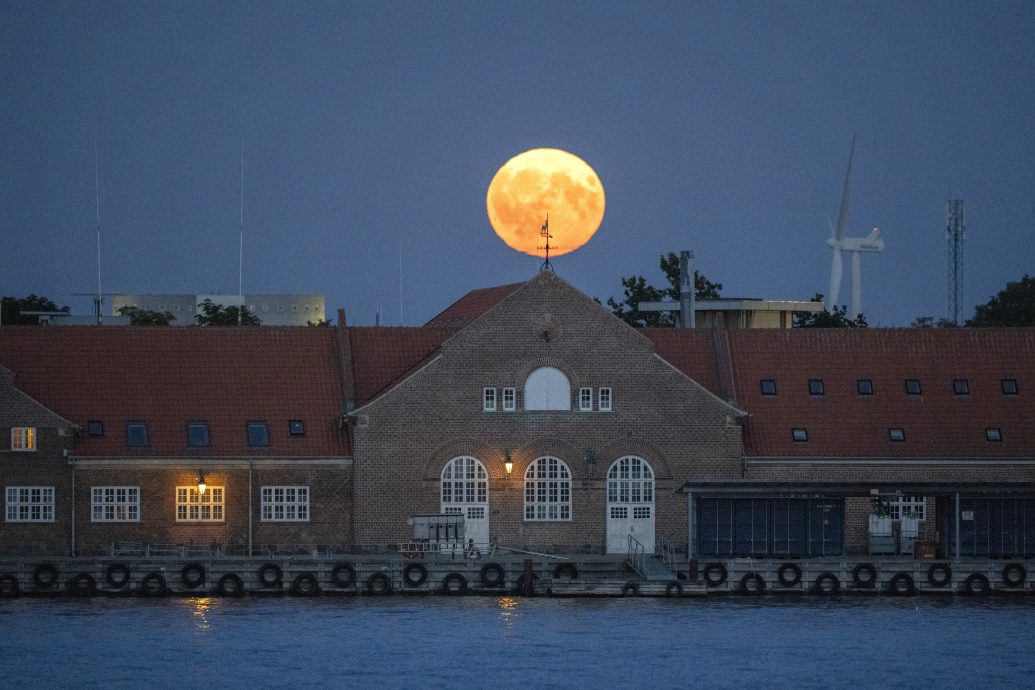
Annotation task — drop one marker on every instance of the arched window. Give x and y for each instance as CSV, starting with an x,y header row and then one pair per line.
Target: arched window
x,y
547,388
464,481
547,490
630,480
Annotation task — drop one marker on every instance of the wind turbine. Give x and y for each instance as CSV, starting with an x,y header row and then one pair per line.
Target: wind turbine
x,y
838,243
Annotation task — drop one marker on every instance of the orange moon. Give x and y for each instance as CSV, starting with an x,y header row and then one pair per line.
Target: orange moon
x,y
539,182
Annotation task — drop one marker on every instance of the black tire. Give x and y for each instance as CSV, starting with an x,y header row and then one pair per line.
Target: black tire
x,y
714,574
939,574
343,575
414,574
230,585
305,585
827,583
192,575
492,575
674,589
568,570
864,575
1014,574
976,584
153,585
270,575
117,575
378,583
82,585
631,589
454,584
45,575
752,583
9,585
795,574
901,584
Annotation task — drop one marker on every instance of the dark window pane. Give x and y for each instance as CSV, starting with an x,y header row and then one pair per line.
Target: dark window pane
x,y
897,434
864,386
95,428
768,386
136,434
960,387
799,434
296,427
913,386
1009,386
993,435
258,434
815,386
197,434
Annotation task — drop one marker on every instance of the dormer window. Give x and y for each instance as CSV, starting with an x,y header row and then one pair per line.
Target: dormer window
x,y
258,434
1009,386
815,386
912,386
961,387
547,388
799,435
768,386
994,435
864,386
197,434
897,434
136,435
95,428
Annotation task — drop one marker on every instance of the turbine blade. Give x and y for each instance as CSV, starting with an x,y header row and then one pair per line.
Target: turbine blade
x,y
842,216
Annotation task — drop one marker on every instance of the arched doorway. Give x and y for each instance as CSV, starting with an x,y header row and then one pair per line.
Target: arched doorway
x,y
630,504
465,491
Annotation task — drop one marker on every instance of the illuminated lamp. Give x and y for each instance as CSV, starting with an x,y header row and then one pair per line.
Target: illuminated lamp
x,y
201,483
508,464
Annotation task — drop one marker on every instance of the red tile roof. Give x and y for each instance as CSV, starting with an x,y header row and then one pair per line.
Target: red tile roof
x,y
471,306
382,356
692,351
167,376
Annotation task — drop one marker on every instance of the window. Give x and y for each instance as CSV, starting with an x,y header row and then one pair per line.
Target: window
x,y
136,435
993,434
509,399
908,506
768,386
912,386
464,481
296,427
547,490
285,503
23,438
864,387
258,434
192,506
896,434
800,435
30,504
1009,386
95,428
630,480
961,387
604,400
197,434
489,399
547,388
115,503
586,399
815,386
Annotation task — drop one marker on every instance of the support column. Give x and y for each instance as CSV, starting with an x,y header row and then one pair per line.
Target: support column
x,y
691,527
957,560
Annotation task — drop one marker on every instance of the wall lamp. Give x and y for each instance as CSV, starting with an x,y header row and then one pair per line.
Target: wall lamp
x,y
508,464
591,459
201,483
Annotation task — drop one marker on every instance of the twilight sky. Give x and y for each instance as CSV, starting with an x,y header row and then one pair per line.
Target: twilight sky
x,y
718,127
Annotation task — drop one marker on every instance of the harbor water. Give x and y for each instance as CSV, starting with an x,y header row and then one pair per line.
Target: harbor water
x,y
502,642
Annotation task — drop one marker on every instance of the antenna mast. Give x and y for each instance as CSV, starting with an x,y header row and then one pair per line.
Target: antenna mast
x,y
240,252
955,233
544,232
98,301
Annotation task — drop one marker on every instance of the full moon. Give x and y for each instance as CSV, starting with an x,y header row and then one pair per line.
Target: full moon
x,y
539,182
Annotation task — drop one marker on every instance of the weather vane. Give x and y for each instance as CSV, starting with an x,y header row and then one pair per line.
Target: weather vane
x,y
544,232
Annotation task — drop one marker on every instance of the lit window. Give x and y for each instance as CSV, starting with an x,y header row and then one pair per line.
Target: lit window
x,y
815,386
585,399
768,386
912,386
896,434
864,387
489,399
136,435
193,506
95,428
258,434
30,504
961,387
285,503
197,434
993,434
604,400
547,388
23,438
509,399
115,503
547,491
296,427
907,506
800,435
464,482
1009,386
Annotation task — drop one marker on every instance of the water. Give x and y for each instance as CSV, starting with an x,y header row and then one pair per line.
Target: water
x,y
397,642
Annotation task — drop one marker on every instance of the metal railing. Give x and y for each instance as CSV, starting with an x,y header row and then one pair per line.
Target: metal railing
x,y
667,552
637,556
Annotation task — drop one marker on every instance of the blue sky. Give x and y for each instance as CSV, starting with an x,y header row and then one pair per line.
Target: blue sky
x,y
718,127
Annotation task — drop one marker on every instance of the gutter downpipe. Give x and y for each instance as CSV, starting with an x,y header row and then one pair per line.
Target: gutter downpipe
x,y
957,528
250,508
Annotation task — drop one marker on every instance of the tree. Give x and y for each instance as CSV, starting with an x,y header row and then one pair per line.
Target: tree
x,y
12,308
323,323
838,318
1013,306
636,290
929,322
147,317
213,314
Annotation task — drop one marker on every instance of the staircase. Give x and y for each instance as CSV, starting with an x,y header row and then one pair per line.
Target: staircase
x,y
658,567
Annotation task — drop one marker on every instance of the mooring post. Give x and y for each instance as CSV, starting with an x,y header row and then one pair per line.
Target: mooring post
x,y
527,582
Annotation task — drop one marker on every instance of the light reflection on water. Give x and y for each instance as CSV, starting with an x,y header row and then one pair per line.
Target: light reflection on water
x,y
502,642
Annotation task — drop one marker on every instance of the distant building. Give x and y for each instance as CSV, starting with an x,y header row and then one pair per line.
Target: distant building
x,y
274,310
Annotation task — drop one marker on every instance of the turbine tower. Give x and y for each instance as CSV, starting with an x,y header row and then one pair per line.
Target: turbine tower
x,y
955,233
838,243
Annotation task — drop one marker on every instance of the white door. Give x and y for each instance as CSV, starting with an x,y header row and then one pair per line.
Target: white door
x,y
630,504
465,491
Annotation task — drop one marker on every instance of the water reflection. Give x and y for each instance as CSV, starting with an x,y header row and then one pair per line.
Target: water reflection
x,y
508,608
199,608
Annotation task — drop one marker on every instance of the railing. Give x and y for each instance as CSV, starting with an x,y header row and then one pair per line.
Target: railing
x,y
668,553
637,556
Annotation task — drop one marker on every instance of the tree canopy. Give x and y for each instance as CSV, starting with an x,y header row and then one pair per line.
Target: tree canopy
x,y
1013,306
12,308
147,317
635,290
838,318
213,314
